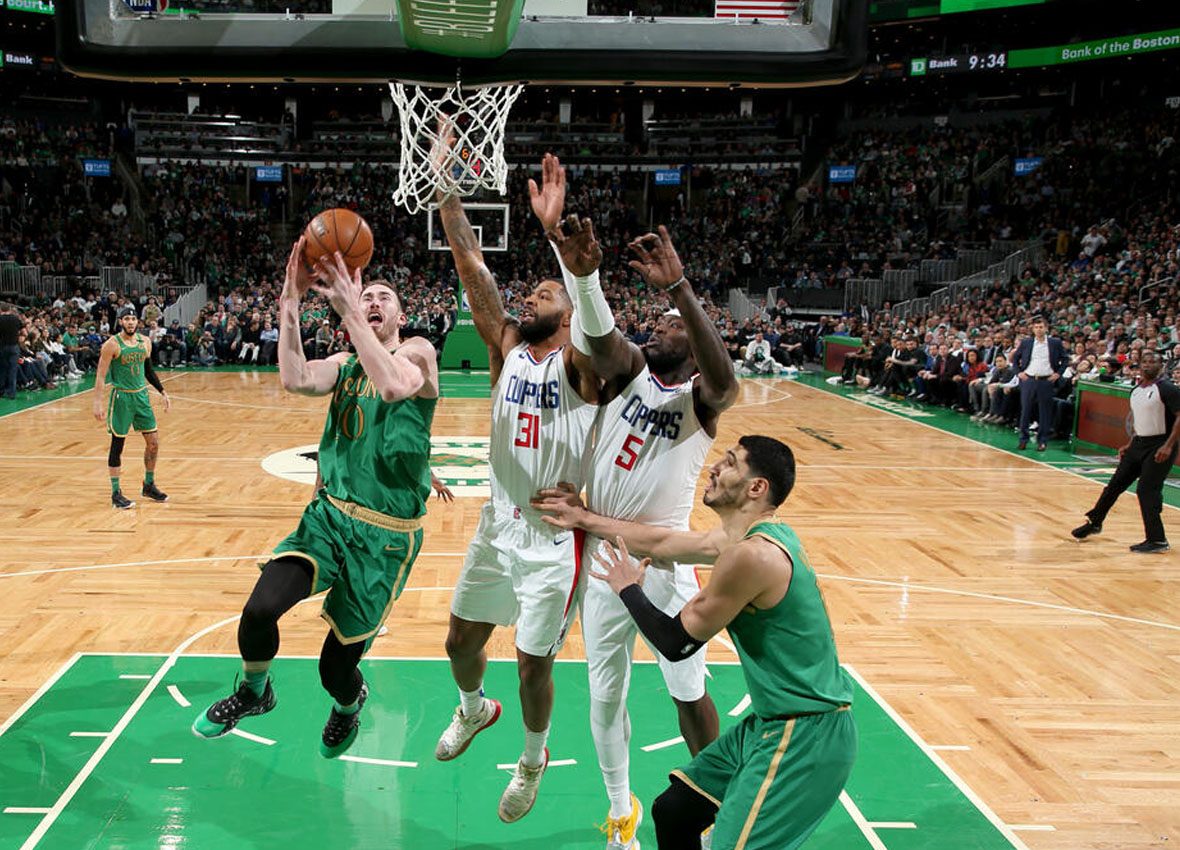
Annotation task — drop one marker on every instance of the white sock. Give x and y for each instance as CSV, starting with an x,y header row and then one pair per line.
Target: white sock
x,y
611,727
471,701
534,747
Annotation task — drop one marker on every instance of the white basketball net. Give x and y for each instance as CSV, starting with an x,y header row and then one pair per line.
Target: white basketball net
x,y
475,117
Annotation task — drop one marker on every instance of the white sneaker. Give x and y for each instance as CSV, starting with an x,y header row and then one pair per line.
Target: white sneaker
x,y
622,833
457,737
518,798
707,839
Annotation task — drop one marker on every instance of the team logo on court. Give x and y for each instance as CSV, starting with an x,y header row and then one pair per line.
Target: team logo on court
x,y
460,462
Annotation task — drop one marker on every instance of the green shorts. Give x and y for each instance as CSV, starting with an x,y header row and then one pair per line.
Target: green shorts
x,y
360,557
774,780
127,410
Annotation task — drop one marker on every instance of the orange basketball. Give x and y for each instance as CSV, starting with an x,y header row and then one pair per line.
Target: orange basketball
x,y
339,230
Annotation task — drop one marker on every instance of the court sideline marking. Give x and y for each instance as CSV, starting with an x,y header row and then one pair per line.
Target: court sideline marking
x,y
75,394
976,443
993,597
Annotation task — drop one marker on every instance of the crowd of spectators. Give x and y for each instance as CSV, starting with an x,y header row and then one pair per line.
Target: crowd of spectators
x,y
736,229
1108,304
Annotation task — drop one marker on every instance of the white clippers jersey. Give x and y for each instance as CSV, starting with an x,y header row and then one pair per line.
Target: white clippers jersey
x,y
648,455
540,428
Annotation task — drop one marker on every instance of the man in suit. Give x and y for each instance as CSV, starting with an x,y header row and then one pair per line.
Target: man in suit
x,y
1039,362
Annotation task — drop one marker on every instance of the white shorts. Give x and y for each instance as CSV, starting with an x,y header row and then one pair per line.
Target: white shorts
x,y
609,633
520,570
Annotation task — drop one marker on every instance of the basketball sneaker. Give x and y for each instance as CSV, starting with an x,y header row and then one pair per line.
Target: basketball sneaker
x,y
621,832
151,491
707,839
118,500
221,717
457,737
518,798
341,729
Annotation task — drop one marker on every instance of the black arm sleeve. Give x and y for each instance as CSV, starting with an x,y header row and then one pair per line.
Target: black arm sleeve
x,y
150,374
666,633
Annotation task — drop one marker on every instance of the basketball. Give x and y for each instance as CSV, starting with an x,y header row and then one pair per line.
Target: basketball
x,y
339,230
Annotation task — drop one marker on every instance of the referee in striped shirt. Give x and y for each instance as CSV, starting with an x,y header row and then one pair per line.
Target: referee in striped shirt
x,y
1148,457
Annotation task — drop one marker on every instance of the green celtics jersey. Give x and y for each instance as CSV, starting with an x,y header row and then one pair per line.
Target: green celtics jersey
x,y
126,371
375,453
788,653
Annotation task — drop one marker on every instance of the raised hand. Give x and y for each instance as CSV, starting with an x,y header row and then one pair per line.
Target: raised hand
x,y
548,200
578,246
442,150
297,280
343,289
658,262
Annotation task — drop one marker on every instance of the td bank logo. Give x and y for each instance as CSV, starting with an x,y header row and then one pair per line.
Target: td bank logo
x,y
460,462
917,67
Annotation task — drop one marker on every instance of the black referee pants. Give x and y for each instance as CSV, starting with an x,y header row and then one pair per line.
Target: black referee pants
x,y
1139,463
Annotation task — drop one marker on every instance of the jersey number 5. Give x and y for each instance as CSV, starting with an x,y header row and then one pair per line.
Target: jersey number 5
x,y
628,455
529,435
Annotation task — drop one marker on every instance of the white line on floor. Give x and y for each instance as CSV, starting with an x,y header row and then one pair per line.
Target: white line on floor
x,y
144,676
263,557
891,824
663,745
861,822
741,706
89,734
79,780
40,692
997,598
178,696
976,443
24,810
167,761
258,739
555,763
382,762
963,787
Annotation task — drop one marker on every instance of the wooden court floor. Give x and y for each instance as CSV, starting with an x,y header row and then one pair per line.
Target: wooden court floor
x,y
1044,671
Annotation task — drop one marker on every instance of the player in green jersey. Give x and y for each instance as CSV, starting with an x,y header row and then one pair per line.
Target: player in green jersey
x,y
126,359
767,782
362,531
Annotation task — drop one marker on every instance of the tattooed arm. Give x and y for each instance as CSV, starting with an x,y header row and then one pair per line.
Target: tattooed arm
x,y
499,332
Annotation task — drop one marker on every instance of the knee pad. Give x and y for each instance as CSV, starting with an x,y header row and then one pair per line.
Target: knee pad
x,y
115,456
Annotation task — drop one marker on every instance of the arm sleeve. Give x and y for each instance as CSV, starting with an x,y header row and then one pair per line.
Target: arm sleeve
x,y
666,633
591,311
150,374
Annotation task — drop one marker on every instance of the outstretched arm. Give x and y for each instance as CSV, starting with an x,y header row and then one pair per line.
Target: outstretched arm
x,y
298,375
579,253
661,267
663,544
487,308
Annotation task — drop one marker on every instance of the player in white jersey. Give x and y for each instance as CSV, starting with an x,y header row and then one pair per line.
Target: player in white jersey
x,y
520,570
653,435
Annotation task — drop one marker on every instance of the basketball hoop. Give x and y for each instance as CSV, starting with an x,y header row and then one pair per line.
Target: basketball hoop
x,y
475,117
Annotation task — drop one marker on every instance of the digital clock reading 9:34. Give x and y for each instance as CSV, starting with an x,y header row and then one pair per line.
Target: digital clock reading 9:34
x,y
961,64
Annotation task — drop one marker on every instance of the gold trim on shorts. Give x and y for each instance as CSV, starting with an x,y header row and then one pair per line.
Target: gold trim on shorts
x,y
679,774
372,517
766,783
388,606
315,566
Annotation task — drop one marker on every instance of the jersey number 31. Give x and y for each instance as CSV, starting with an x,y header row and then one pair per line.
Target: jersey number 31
x,y
529,434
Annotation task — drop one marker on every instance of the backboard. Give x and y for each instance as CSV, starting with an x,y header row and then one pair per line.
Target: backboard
x,y
815,42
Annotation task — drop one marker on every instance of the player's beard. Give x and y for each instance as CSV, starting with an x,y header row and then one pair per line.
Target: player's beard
x,y
540,328
661,360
